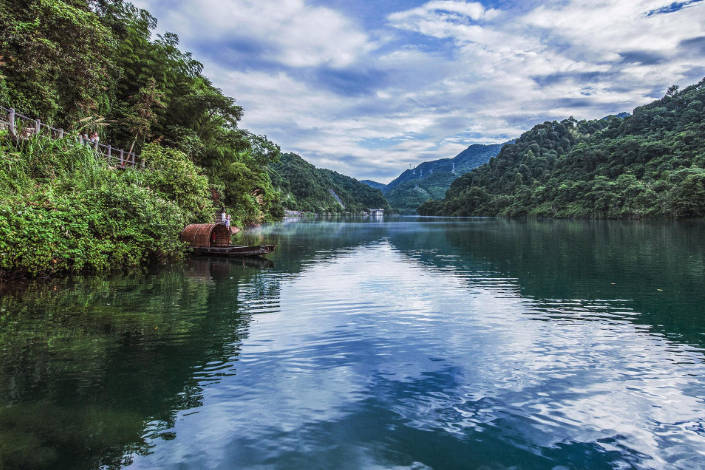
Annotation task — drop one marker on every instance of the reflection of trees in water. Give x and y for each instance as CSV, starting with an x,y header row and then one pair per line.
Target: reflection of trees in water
x,y
299,244
658,268
85,364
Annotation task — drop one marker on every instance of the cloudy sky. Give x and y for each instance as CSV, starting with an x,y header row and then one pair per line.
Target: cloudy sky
x,y
369,87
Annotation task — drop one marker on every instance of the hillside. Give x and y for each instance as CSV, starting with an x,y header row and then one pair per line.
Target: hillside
x,y
307,188
649,164
431,180
374,184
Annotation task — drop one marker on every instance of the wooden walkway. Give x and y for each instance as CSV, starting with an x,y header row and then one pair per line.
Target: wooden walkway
x,y
24,127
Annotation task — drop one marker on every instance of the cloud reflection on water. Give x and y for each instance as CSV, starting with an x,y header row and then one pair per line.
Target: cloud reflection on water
x,y
367,352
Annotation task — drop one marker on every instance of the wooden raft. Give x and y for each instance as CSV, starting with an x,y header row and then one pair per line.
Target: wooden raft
x,y
234,250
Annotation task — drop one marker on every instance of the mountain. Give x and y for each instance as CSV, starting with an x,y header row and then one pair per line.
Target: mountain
x,y
306,188
431,180
651,163
374,184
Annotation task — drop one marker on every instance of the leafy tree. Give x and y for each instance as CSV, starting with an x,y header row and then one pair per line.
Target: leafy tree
x,y
97,63
58,59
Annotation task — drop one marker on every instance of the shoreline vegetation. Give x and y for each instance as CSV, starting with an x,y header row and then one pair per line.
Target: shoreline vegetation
x,y
64,210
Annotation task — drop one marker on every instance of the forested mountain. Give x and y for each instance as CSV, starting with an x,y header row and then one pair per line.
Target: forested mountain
x,y
651,163
430,180
374,184
307,188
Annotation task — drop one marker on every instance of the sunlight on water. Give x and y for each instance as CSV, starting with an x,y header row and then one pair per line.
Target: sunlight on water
x,y
391,345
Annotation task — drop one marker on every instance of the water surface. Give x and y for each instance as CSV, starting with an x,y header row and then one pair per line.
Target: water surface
x,y
404,343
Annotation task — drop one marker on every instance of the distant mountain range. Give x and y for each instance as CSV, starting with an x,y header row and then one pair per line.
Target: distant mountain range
x,y
307,188
431,180
374,184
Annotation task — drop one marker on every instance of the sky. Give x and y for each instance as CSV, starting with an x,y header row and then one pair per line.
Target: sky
x,y
368,88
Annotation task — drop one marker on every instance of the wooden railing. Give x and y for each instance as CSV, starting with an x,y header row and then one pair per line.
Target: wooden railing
x,y
24,127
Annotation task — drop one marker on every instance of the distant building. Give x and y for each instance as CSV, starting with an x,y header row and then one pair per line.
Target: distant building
x,y
376,212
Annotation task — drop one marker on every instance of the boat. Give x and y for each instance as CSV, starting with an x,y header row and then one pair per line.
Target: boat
x,y
234,250
214,240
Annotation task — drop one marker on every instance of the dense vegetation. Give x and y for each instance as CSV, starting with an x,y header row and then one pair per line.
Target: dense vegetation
x,y
307,188
649,164
93,65
62,209
431,180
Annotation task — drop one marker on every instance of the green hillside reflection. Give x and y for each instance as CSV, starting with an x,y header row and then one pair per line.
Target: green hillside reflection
x,y
88,362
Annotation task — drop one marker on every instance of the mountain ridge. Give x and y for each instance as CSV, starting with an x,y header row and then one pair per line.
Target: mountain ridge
x,y
647,164
431,179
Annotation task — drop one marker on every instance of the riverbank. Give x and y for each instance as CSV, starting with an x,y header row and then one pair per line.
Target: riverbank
x,y
64,210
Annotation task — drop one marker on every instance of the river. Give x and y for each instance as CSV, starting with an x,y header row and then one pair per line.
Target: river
x,y
397,343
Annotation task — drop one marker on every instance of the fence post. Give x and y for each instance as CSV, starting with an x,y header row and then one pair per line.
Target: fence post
x,y
11,118
142,162
110,152
95,146
61,133
37,127
122,161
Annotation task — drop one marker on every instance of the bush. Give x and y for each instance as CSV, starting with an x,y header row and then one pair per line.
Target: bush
x,y
62,209
178,179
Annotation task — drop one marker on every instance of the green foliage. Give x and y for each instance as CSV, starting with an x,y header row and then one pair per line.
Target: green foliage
x,y
96,64
63,209
176,178
649,164
310,189
242,177
58,58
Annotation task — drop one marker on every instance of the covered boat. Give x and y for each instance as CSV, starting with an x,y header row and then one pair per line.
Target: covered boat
x,y
214,239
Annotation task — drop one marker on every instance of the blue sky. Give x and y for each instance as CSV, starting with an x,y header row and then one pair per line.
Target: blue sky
x,y
368,88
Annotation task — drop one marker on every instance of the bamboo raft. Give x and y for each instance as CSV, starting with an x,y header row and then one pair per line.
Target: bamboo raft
x,y
214,240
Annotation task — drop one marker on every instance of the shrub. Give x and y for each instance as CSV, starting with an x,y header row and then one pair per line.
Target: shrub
x,y
63,209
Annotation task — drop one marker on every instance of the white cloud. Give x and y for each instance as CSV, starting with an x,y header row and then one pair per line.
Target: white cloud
x,y
290,32
448,9
577,42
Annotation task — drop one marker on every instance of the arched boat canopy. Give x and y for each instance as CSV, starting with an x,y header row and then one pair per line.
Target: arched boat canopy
x,y
206,235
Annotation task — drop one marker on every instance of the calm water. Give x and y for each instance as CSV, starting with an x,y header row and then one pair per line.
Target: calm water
x,y
398,344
